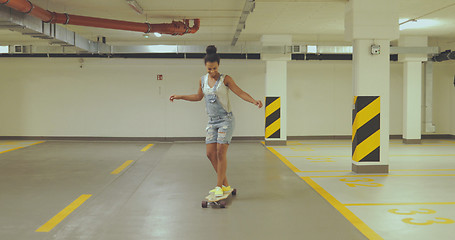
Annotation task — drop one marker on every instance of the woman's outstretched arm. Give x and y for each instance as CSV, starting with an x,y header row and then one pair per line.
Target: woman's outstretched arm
x,y
242,94
193,97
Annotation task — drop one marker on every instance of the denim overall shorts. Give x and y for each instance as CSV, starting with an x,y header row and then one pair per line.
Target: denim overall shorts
x,y
221,123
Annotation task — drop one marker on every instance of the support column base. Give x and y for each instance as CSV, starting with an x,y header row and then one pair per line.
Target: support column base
x,y
276,143
412,141
370,168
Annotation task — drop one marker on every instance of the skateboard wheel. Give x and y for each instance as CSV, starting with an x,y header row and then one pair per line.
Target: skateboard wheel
x,y
234,192
222,204
204,204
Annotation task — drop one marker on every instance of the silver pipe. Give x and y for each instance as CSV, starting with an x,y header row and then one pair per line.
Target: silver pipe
x,y
429,126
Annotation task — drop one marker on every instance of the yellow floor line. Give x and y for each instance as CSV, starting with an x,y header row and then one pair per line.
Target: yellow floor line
x,y
325,171
284,160
147,148
359,224
11,150
37,143
47,227
123,166
387,204
21,147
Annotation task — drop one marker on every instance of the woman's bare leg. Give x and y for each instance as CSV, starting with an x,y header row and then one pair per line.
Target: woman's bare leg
x,y
221,151
213,157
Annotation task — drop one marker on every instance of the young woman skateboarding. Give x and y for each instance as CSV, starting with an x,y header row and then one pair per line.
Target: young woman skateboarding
x,y
215,87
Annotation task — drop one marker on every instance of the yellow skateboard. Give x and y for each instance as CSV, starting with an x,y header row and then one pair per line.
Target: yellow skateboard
x,y
218,201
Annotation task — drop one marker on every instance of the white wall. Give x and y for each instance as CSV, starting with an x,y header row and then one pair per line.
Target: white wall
x,y
444,97
320,92
122,98
116,97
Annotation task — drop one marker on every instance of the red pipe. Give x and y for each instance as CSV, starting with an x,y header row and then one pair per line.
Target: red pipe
x,y
174,28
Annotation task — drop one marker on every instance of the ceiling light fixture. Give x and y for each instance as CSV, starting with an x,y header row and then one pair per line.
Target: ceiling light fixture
x,y
134,5
157,34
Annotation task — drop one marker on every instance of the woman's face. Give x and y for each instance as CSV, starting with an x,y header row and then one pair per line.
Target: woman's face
x,y
212,69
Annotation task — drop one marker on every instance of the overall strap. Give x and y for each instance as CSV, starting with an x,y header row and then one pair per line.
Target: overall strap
x,y
220,80
203,79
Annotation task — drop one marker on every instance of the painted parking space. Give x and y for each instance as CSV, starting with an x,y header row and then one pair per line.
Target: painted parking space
x,y
389,189
8,146
419,222
335,156
416,200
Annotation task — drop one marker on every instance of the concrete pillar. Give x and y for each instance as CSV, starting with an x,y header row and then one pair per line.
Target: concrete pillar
x,y
275,89
412,88
371,25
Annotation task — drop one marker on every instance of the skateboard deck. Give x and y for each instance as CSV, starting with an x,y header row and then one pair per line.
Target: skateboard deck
x,y
219,201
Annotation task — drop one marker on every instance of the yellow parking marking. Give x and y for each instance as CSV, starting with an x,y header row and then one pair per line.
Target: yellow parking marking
x,y
11,150
47,227
284,160
390,204
147,148
359,224
37,143
123,166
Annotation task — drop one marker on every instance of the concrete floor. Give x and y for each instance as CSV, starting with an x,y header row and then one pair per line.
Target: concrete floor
x,y
159,195
416,200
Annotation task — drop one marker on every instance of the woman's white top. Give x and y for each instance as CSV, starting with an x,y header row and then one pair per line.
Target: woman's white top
x,y
221,90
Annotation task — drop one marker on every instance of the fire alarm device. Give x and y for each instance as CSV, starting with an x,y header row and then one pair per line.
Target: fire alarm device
x,y
375,49
159,77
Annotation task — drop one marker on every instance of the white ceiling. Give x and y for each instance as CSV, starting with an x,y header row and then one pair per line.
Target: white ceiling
x,y
308,21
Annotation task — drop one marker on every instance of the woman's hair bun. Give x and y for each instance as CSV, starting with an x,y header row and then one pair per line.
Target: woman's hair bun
x,y
211,49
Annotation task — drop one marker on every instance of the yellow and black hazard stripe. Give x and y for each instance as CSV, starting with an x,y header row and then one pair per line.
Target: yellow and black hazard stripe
x,y
272,117
366,129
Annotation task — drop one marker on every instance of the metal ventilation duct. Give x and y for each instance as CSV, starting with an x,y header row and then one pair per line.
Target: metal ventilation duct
x,y
55,34
444,56
247,9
